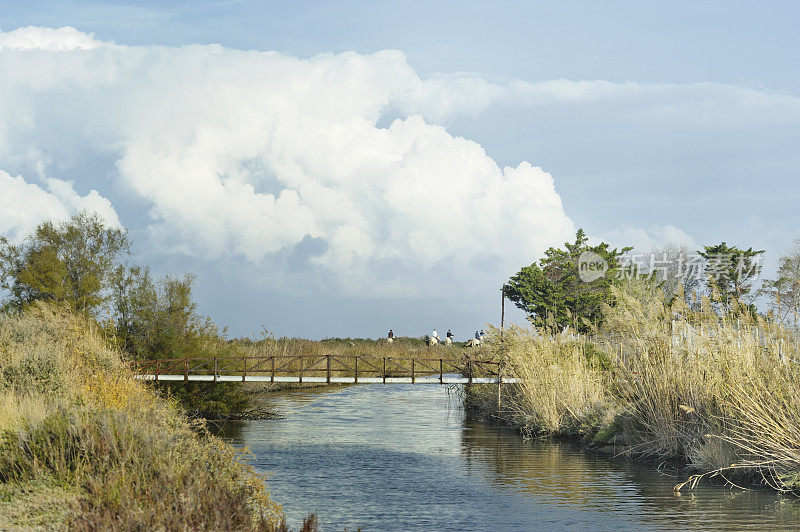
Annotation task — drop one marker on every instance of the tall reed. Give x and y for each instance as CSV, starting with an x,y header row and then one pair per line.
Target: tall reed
x,y
716,389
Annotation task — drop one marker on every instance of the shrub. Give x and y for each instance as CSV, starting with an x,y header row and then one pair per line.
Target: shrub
x,y
117,455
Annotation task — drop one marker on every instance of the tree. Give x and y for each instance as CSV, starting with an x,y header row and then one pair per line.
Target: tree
x,y
555,289
78,262
676,272
730,271
70,262
784,290
158,318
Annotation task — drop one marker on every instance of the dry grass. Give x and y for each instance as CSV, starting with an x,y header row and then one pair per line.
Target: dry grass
x,y
563,391
83,445
402,347
720,392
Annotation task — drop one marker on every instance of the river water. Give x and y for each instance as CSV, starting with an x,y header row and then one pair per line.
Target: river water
x,y
403,457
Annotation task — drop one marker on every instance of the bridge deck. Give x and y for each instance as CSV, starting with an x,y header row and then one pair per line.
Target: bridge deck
x,y
333,380
342,369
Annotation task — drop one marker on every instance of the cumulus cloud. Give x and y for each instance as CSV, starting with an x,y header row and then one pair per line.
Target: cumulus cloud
x,y
35,38
24,205
256,153
339,162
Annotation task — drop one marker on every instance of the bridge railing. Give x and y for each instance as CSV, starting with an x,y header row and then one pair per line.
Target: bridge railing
x,y
317,368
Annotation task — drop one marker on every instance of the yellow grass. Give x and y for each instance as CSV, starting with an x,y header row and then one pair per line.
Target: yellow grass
x,y
81,435
720,392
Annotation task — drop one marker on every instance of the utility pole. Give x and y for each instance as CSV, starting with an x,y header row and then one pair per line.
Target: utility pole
x,y
502,310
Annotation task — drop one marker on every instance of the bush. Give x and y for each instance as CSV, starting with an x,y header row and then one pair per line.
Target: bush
x,y
112,451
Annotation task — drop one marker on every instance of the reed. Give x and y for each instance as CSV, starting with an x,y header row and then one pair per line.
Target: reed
x,y
562,389
716,390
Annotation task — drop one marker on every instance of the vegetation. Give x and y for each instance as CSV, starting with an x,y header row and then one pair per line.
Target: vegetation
x,y
784,290
714,390
704,380
401,347
553,289
83,445
69,263
80,264
731,272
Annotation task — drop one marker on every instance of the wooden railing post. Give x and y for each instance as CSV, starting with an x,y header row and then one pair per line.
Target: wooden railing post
x,y
185,370
356,379
300,359
216,368
469,371
412,371
499,390
384,370
158,363
441,371
328,369
272,379
244,368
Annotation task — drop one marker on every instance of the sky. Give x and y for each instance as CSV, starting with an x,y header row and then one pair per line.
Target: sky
x,y
339,169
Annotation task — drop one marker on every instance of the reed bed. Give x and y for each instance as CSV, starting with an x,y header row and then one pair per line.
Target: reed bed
x,y
718,391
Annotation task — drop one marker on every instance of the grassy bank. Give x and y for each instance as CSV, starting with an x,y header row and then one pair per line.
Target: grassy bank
x,y
401,347
83,445
718,391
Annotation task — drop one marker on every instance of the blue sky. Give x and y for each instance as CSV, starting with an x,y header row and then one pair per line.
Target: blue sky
x,y
655,122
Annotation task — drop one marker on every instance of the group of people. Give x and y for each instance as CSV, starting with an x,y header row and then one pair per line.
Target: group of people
x,y
434,339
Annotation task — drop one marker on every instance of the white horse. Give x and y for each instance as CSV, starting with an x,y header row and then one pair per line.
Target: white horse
x,y
473,342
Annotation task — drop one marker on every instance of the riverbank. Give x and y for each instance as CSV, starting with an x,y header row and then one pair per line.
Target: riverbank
x,y
718,393
83,445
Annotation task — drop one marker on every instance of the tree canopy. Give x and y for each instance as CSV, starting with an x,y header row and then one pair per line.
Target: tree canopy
x,y
69,262
730,271
554,290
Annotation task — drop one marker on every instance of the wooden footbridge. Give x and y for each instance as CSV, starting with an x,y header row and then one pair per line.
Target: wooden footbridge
x,y
342,369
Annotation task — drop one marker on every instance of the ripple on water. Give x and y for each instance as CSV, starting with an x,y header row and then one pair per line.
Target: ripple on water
x,y
401,457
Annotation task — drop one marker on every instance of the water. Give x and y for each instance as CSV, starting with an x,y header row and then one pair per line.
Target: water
x,y
402,457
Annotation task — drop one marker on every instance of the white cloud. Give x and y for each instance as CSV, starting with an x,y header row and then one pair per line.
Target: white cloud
x,y
650,239
24,205
35,38
709,106
253,153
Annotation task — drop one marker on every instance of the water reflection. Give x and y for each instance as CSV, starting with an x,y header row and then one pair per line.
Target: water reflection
x,y
397,457
570,476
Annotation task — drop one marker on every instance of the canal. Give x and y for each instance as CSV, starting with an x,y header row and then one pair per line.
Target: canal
x,y
402,457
